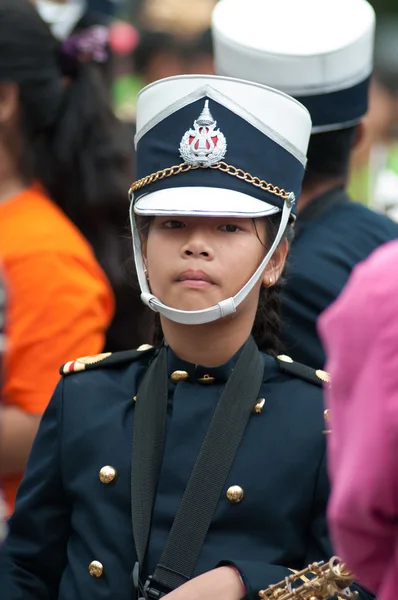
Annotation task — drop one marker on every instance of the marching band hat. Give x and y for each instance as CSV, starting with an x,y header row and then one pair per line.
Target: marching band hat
x,y
216,146
212,146
319,51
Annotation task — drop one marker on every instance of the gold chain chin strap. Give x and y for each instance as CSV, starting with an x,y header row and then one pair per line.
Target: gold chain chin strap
x,y
220,166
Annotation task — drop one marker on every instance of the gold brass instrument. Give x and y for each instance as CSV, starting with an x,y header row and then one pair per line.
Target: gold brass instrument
x,y
330,579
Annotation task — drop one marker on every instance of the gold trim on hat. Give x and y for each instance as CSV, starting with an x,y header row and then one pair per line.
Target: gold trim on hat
x,y
288,197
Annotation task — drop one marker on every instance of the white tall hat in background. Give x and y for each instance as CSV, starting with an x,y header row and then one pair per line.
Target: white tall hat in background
x,y
320,52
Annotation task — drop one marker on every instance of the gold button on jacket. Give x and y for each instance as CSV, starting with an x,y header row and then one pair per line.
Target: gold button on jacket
x,y
107,474
235,494
96,568
206,379
177,376
258,407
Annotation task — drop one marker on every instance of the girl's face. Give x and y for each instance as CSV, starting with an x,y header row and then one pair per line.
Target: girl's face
x,y
195,262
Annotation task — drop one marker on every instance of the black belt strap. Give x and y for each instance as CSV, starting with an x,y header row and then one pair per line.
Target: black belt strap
x,y
210,472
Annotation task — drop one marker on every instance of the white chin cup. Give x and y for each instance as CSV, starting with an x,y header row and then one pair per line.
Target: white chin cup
x,y
207,315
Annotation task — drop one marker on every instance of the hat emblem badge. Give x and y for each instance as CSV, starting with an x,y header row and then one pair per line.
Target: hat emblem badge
x,y
203,145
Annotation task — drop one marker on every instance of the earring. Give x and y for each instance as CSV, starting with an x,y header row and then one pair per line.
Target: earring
x,y
146,273
270,281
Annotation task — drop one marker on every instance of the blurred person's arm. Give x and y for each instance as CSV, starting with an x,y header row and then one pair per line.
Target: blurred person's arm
x,y
2,348
17,432
359,332
17,428
59,310
363,463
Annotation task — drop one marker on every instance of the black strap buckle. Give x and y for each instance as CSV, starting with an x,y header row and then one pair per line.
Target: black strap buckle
x,y
148,591
151,591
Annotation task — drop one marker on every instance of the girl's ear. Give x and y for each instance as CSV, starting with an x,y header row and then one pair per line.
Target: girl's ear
x,y
276,265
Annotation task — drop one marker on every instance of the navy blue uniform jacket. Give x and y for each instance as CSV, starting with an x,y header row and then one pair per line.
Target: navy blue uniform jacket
x,y
328,243
65,517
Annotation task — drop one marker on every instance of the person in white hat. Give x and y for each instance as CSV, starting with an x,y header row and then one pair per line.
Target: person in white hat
x,y
321,53
196,469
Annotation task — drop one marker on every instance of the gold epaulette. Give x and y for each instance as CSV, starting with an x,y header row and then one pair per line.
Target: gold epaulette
x,y
316,376
104,360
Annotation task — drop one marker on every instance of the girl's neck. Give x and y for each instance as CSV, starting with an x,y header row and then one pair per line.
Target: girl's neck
x,y
210,345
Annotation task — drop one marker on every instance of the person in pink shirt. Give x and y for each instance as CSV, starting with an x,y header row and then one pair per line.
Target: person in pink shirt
x,y
360,335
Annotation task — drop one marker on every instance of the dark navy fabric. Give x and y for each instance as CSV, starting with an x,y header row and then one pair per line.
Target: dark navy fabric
x,y
343,106
247,148
65,517
327,246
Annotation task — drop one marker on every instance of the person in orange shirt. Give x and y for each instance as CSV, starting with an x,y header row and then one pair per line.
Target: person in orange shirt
x,y
2,345
56,136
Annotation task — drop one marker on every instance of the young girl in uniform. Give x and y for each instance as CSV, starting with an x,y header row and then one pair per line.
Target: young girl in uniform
x,y
195,469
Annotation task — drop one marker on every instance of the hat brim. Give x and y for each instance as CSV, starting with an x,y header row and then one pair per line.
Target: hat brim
x,y
202,202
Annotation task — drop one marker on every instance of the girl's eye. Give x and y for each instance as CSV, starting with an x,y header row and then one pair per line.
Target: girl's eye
x,y
230,228
173,224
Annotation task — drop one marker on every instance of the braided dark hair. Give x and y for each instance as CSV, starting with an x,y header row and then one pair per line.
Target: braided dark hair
x,y
266,327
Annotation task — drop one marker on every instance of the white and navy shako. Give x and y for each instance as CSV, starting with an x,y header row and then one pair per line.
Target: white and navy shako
x,y
205,120
216,146
319,51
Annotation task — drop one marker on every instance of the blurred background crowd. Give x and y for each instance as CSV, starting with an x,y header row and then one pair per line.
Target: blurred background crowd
x,y
70,72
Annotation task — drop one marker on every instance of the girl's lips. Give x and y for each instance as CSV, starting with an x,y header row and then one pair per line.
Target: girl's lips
x,y
195,283
195,277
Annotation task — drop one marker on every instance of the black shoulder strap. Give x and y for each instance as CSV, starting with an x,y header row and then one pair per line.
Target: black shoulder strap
x,y
210,472
288,365
147,450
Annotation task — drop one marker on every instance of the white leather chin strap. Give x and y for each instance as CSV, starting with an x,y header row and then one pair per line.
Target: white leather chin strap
x,y
218,311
